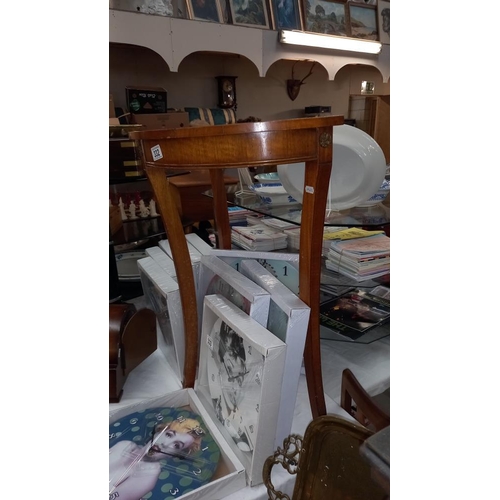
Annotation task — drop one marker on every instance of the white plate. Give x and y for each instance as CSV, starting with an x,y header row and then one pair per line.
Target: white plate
x,y
358,169
126,264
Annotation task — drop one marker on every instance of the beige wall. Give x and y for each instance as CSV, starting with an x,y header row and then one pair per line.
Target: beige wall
x,y
265,98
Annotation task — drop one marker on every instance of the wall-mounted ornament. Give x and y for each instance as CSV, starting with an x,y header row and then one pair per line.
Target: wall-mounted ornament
x,y
293,85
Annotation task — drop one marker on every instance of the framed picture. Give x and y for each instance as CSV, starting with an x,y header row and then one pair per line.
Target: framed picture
x,y
218,277
239,381
363,22
249,12
200,245
150,414
364,2
163,297
194,255
288,320
322,16
286,14
384,21
283,266
204,10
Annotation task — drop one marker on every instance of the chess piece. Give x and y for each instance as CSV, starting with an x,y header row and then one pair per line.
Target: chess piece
x,y
123,214
152,208
143,209
132,208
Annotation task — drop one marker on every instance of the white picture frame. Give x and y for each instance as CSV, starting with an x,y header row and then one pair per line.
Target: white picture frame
x,y
240,374
232,476
288,320
216,276
285,266
195,241
162,295
194,255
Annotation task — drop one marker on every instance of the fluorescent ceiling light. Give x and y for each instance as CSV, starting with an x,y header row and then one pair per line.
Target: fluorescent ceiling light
x,y
329,41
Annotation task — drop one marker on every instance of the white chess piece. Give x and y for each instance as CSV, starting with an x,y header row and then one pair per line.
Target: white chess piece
x,y
123,214
132,208
143,209
152,208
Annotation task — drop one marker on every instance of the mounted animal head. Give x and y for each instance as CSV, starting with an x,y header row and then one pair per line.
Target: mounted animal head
x,y
293,85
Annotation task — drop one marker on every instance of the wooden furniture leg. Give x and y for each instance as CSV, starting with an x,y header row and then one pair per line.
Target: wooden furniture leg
x,y
182,262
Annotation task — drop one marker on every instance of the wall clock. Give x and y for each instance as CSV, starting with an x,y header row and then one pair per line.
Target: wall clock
x,y
285,267
160,453
226,91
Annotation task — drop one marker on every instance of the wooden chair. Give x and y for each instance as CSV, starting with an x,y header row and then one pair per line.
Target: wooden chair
x,y
327,462
241,145
357,402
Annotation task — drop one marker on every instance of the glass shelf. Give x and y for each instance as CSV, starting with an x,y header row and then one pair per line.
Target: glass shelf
x,y
375,216
375,333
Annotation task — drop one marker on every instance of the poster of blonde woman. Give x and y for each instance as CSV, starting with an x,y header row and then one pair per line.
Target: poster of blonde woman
x,y
159,453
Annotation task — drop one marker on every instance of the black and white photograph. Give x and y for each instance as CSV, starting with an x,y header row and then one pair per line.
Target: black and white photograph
x,y
384,21
240,381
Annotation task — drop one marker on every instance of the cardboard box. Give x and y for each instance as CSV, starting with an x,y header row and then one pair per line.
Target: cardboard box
x,y
146,100
161,120
230,474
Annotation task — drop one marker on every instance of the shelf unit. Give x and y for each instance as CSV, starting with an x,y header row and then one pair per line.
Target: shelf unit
x,y
174,39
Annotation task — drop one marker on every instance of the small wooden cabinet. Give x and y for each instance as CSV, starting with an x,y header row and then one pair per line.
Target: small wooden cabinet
x,y
372,115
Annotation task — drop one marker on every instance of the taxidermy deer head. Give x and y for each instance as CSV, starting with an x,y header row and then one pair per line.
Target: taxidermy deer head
x,y
293,85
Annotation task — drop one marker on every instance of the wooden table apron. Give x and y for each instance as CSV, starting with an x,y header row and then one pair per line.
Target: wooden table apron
x,y
241,145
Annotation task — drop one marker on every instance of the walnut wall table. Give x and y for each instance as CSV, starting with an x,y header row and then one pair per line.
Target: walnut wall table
x,y
240,145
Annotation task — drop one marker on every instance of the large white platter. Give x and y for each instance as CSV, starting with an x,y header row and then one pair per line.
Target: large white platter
x,y
358,170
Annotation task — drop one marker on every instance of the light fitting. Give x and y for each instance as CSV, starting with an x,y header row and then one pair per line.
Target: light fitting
x,y
329,41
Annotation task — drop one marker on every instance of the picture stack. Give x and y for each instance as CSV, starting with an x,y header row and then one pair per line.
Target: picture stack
x,y
253,328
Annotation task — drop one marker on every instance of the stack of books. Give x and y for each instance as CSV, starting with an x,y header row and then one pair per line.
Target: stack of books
x,y
360,258
258,237
237,216
293,235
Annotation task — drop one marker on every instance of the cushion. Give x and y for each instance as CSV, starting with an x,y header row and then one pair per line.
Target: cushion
x,y
213,116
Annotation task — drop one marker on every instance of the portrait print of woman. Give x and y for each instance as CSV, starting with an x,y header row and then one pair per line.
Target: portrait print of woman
x,y
134,467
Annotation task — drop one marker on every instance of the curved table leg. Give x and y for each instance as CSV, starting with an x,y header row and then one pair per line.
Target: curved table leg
x,y
316,183
183,267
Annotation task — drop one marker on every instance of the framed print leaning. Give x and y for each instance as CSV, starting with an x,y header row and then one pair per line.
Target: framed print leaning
x,y
322,16
285,266
204,10
288,320
363,22
249,13
239,381
163,297
286,14
384,21
188,472
218,277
